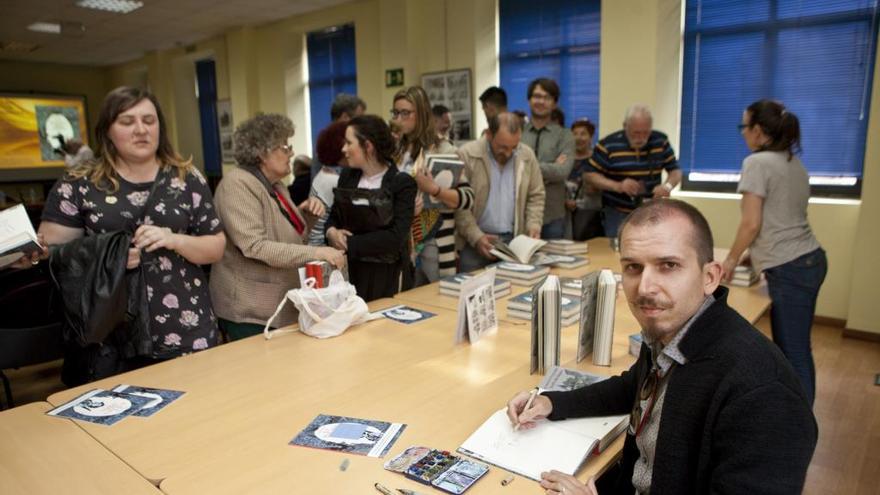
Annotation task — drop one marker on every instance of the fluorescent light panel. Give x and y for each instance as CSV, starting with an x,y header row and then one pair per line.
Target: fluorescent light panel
x,y
118,6
46,27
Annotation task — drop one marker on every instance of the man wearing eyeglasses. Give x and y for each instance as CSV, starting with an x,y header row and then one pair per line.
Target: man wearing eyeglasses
x,y
554,147
627,166
714,406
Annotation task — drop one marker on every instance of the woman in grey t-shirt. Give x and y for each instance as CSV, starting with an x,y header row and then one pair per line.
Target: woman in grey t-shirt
x,y
775,190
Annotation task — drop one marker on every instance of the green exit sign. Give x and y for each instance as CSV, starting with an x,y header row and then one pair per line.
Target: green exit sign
x,y
393,77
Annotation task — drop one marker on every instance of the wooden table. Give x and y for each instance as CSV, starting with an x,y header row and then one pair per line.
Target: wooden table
x,y
246,400
40,454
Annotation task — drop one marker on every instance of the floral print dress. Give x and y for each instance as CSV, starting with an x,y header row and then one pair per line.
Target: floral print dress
x,y
181,316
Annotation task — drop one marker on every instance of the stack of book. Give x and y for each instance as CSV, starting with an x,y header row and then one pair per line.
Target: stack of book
x,y
565,261
521,307
564,246
451,286
571,286
744,276
520,274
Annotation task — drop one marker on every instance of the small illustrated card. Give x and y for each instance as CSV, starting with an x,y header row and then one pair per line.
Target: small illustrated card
x,y
159,398
406,314
350,435
103,407
476,307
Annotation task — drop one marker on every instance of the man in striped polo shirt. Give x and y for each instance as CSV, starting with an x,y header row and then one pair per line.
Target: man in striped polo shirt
x,y
627,166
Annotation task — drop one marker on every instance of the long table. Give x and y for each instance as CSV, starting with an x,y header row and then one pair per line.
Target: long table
x,y
42,454
246,400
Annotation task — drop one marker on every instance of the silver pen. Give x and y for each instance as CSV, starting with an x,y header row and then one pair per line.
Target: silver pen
x,y
404,491
381,489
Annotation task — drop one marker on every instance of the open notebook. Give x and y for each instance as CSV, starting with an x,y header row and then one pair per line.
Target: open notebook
x,y
560,445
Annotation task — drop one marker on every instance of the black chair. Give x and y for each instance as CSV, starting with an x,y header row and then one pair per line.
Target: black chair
x,y
30,330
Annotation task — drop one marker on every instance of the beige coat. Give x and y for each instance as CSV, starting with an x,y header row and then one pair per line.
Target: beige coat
x,y
529,191
262,254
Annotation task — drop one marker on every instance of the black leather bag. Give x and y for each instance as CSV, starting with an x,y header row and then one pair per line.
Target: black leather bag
x,y
90,274
364,210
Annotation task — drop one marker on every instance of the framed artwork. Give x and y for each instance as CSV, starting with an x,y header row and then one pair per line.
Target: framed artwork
x,y
226,128
453,89
33,127
224,116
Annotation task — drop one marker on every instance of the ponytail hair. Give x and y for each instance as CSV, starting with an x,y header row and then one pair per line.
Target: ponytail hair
x,y
371,128
780,125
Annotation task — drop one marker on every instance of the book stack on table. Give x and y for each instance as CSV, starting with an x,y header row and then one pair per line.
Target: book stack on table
x,y
564,246
451,286
521,307
520,274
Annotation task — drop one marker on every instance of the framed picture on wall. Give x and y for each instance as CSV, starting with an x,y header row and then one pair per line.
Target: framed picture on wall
x,y
453,89
34,127
224,116
226,147
225,126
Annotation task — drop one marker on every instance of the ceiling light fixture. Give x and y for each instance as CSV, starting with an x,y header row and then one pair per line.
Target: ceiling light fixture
x,y
46,27
118,6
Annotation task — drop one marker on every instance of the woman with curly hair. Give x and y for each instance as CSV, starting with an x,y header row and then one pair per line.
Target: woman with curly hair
x,y
433,229
179,232
372,210
267,232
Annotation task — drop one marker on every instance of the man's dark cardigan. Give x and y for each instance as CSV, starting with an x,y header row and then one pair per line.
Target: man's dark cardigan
x,y
735,418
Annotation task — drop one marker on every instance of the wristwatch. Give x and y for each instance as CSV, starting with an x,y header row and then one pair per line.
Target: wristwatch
x,y
669,187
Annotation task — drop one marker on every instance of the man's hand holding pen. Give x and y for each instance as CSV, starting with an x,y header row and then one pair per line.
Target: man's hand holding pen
x,y
526,408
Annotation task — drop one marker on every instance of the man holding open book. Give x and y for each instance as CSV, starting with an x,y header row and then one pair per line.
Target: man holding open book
x,y
714,406
508,192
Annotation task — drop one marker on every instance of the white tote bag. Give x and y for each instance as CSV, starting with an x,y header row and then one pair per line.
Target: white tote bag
x,y
325,312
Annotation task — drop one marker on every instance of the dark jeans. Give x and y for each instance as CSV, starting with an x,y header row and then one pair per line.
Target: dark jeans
x,y
794,288
554,229
612,218
470,259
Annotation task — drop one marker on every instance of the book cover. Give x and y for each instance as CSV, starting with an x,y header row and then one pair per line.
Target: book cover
x,y
366,437
589,284
447,172
159,398
546,325
406,314
103,407
476,307
559,379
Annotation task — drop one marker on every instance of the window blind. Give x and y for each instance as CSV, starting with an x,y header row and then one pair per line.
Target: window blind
x,y
558,39
817,57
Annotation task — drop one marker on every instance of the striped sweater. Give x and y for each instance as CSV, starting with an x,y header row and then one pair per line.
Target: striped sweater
x,y
444,234
445,237
617,160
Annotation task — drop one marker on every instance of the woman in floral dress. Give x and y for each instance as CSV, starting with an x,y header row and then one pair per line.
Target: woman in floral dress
x,y
179,232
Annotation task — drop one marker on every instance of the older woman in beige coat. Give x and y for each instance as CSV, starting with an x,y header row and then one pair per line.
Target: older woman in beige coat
x,y
266,232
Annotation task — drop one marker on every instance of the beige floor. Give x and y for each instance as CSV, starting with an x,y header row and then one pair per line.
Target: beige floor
x,y
847,458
